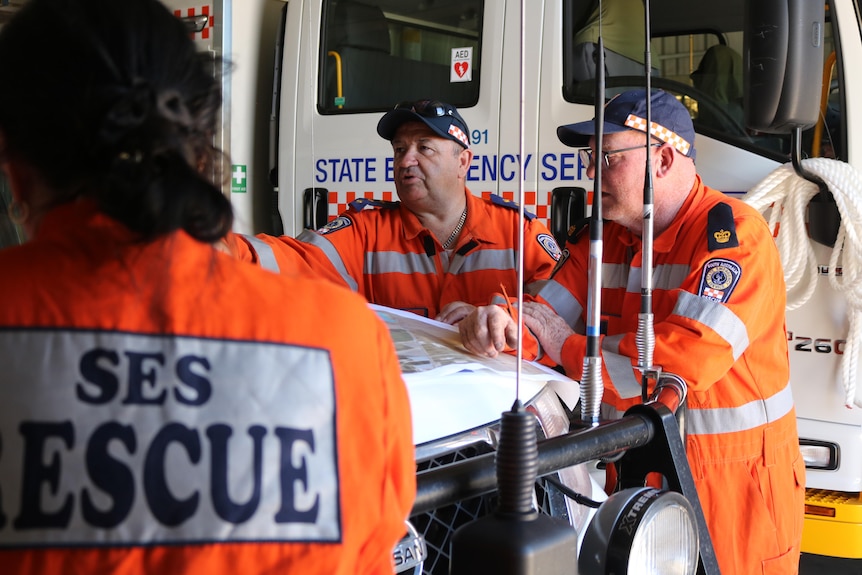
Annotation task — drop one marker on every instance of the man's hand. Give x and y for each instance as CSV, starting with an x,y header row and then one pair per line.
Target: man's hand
x,y
551,330
488,330
455,311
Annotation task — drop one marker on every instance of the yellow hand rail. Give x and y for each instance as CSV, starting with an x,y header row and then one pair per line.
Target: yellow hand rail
x,y
828,67
339,95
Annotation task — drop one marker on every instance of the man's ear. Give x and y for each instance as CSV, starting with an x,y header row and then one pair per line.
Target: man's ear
x,y
464,159
666,157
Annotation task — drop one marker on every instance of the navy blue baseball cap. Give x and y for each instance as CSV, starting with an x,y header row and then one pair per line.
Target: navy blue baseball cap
x,y
671,122
441,117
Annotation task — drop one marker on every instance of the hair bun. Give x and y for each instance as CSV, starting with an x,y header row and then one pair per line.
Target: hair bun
x,y
171,107
128,112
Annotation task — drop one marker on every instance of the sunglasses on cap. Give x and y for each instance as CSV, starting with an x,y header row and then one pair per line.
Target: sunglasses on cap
x,y
428,108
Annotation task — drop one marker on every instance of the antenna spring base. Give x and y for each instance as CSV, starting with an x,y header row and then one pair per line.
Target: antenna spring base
x,y
592,388
645,340
517,461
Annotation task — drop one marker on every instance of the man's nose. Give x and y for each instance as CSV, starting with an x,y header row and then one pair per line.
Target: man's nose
x,y
407,157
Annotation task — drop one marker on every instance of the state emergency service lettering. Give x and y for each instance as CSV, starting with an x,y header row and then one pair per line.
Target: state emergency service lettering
x,y
125,439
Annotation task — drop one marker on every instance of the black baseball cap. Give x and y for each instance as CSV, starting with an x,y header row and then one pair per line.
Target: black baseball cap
x,y
441,117
671,122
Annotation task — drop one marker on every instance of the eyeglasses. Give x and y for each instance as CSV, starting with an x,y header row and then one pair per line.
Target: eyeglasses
x,y
586,154
427,108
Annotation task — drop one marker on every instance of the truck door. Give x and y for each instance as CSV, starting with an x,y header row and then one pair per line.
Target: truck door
x,y
346,63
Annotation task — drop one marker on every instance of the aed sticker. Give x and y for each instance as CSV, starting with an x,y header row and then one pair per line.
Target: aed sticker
x,y
238,179
549,244
462,65
112,438
718,279
338,223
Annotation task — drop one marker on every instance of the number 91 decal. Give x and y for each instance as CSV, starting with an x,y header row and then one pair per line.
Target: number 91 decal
x,y
819,345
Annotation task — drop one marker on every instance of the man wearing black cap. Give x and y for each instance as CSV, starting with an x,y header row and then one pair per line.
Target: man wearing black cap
x,y
718,304
440,250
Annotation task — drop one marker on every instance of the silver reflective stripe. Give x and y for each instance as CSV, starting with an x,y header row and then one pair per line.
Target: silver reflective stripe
x,y
665,277
494,260
716,317
619,368
383,262
610,413
445,263
563,302
265,255
728,419
614,276
743,418
534,287
395,262
499,300
331,253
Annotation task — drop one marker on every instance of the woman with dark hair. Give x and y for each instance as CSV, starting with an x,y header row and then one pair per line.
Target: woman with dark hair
x,y
165,408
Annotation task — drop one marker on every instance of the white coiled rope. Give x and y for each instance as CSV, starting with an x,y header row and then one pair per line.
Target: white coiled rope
x,y
783,197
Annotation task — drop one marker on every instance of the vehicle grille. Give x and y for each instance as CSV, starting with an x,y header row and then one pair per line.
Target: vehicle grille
x,y
438,526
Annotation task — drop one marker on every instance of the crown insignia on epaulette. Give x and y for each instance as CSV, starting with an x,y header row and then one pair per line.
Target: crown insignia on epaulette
x,y
722,236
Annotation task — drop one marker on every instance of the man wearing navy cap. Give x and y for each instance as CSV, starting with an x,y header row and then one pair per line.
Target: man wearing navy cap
x,y
440,250
718,304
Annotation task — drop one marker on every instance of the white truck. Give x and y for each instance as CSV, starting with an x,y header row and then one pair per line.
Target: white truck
x,y
311,78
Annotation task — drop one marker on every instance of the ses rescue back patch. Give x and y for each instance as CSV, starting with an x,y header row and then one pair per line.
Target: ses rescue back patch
x,y
164,439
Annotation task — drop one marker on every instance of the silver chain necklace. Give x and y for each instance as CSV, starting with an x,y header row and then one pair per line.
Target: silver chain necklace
x,y
448,243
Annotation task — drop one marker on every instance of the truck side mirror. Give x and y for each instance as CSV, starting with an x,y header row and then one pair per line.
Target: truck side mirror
x,y
315,211
568,207
783,42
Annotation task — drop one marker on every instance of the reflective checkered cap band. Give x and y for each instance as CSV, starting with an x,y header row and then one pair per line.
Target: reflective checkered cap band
x,y
660,132
459,133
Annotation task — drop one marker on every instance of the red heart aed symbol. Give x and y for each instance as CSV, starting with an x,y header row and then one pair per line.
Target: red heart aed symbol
x,y
461,68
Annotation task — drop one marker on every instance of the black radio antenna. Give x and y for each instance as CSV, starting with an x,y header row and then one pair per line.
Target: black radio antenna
x,y
592,386
645,336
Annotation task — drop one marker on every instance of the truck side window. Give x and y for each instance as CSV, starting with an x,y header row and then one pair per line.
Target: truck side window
x,y
703,66
719,77
622,31
373,55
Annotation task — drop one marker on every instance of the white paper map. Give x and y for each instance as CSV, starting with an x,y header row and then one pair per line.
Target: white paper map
x,y
452,390
428,348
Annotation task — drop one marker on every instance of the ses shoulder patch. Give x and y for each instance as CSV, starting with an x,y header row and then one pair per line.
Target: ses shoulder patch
x,y
718,279
338,223
500,201
549,244
720,228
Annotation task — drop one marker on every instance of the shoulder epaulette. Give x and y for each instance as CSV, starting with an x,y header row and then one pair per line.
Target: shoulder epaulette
x,y
500,201
360,204
720,228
